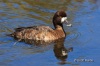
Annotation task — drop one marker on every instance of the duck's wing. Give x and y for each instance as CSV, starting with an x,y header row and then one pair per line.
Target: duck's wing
x,y
31,32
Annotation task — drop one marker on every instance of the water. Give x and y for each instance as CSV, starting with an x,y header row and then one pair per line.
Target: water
x,y
83,36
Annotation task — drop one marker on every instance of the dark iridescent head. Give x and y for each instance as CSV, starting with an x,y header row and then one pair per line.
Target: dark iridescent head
x,y
59,18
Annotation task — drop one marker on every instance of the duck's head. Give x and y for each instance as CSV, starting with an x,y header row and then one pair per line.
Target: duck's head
x,y
59,18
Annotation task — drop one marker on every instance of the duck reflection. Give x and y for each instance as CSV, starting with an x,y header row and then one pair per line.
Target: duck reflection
x,y
60,51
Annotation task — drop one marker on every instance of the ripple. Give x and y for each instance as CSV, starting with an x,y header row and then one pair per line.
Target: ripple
x,y
73,36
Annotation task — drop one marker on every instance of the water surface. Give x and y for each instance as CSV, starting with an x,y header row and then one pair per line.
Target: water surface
x,y
83,36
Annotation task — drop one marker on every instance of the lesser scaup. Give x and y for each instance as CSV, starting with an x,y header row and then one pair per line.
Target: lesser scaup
x,y
44,33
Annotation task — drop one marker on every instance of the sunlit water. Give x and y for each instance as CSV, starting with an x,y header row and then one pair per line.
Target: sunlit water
x,y
83,36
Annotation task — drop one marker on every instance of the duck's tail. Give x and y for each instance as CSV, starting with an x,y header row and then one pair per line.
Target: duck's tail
x,y
11,35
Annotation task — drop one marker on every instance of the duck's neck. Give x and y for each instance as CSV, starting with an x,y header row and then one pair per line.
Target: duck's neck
x,y
60,28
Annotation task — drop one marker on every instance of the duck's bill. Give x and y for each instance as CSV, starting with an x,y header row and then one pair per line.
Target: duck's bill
x,y
67,23
70,25
64,20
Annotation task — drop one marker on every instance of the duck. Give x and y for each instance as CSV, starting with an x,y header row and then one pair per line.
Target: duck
x,y
43,33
